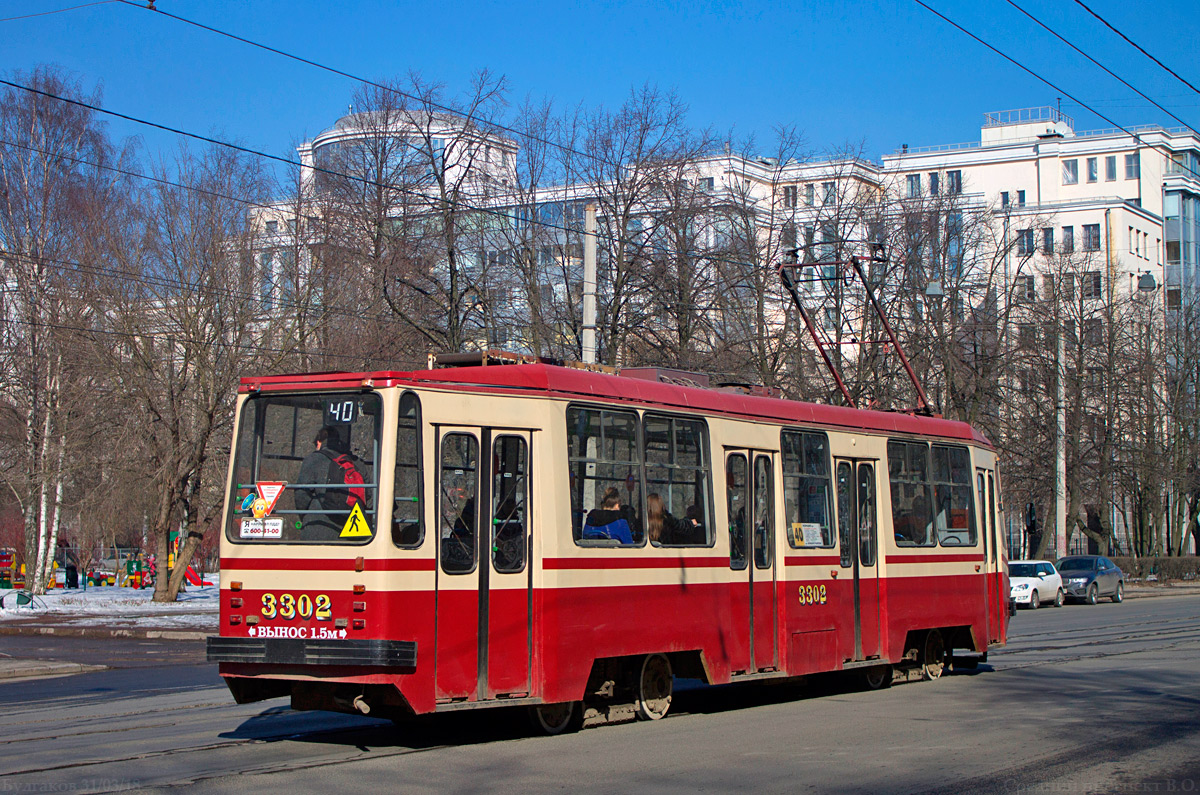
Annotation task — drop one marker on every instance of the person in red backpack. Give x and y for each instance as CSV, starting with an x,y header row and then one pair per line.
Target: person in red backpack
x,y
328,464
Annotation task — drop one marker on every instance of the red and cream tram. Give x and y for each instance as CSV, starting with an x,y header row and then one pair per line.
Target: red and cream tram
x,y
572,540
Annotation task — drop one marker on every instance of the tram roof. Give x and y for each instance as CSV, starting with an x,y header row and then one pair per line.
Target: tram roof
x,y
569,382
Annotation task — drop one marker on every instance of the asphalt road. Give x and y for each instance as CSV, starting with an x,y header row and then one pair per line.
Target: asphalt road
x,y
1084,699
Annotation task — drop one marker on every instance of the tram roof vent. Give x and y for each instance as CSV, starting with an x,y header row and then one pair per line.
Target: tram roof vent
x,y
485,359
757,390
667,375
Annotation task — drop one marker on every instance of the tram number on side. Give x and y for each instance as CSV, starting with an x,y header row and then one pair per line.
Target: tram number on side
x,y
288,606
812,595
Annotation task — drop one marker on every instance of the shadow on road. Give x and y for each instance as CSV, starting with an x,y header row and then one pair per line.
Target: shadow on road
x,y
472,727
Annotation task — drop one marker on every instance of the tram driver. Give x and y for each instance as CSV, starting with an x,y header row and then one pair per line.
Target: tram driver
x,y
317,469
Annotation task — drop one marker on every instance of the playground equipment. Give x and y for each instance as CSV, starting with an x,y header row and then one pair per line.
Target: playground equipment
x,y
8,564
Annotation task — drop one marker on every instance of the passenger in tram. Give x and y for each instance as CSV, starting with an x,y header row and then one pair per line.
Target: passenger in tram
x,y
913,528
611,520
663,528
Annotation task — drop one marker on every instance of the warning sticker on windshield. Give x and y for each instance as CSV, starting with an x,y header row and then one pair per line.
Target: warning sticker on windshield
x,y
356,525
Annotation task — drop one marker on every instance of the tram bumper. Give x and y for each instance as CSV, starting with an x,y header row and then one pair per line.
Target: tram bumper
x,y
307,651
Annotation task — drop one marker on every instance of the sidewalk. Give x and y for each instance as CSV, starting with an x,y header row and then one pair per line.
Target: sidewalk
x,y
1137,590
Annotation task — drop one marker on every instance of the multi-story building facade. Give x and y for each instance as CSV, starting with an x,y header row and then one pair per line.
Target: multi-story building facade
x,y
1129,197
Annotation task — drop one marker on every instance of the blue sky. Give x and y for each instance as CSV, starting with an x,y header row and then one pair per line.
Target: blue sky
x,y
877,74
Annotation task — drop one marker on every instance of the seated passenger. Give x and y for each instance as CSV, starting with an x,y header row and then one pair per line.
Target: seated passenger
x,y
660,525
610,521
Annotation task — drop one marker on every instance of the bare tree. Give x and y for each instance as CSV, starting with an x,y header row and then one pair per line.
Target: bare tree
x,y
189,322
627,155
50,175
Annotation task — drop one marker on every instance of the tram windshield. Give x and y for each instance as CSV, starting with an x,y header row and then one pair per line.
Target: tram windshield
x,y
306,469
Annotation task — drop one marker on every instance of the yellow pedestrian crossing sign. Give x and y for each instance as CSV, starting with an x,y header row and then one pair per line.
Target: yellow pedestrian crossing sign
x,y
356,525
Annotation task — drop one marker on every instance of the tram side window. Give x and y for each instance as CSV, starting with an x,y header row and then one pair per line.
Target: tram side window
x,y
509,503
806,489
953,514
277,442
604,463
678,481
908,475
407,515
458,513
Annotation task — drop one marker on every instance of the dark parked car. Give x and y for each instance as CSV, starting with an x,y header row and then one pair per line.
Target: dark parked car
x,y
1088,577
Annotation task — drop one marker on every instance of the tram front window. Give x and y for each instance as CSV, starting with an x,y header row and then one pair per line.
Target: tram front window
x,y
306,469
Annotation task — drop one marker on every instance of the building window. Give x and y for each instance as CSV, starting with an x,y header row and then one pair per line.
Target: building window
x,y
1048,240
1004,198
272,227
954,182
827,193
1091,237
914,185
1133,166
1110,168
1068,244
1173,298
1093,331
1020,198
789,196
1070,172
707,184
1026,290
1089,284
809,191
933,183
1025,242
1093,169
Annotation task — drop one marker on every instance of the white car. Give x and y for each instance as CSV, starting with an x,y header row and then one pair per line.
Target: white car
x,y
1032,582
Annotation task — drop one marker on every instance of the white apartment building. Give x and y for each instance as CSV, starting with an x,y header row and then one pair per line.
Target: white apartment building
x,y
1129,198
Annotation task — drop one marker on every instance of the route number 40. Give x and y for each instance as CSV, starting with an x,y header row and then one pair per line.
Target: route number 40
x,y
287,606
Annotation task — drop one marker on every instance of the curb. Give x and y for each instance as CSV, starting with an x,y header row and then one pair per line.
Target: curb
x,y
109,632
30,669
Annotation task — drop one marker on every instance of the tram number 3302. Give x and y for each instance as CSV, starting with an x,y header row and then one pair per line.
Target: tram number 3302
x,y
812,594
288,606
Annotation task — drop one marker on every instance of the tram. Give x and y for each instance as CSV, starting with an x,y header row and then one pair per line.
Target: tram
x,y
401,543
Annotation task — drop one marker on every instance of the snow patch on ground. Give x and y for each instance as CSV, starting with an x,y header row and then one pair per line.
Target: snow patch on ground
x,y
111,606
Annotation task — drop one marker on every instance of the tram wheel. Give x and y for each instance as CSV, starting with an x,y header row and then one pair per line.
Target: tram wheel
x,y
878,677
933,661
552,719
655,687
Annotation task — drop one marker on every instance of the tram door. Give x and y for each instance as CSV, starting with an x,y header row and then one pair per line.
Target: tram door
x,y
750,492
994,600
857,523
483,577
